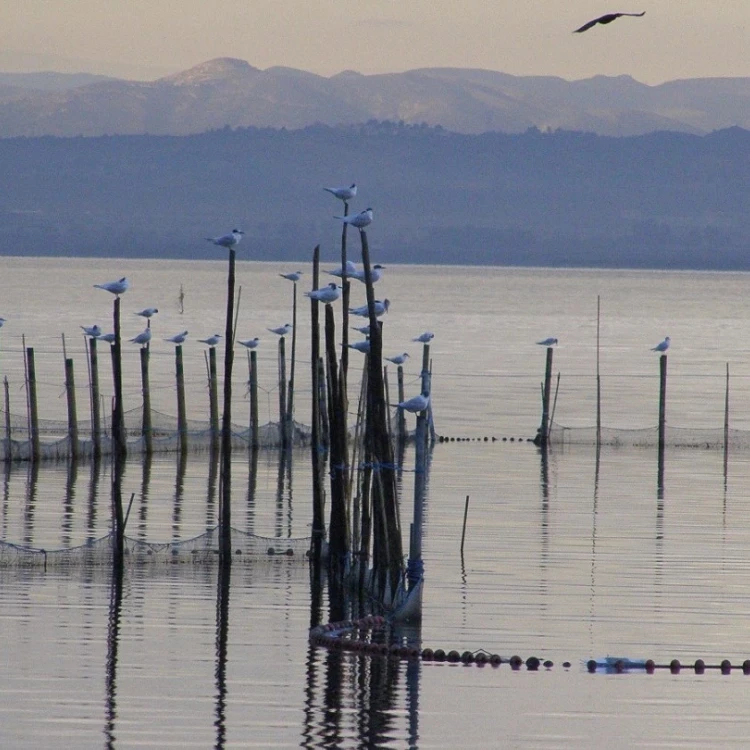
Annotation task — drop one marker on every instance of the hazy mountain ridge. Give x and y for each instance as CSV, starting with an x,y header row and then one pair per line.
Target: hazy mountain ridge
x,y
232,92
663,200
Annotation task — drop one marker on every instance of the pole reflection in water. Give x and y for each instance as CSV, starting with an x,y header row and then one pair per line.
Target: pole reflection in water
x,y
213,477
222,633
70,493
6,498
113,637
30,506
252,486
96,470
179,491
146,465
544,556
284,460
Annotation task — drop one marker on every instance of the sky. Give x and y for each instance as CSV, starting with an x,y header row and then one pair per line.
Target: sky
x,y
145,39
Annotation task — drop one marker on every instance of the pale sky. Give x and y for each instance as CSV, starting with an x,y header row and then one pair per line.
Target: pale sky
x,y
147,38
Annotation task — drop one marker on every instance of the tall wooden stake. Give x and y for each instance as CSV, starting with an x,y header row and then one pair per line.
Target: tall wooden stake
x,y
146,429
33,407
70,392
283,423
316,448
213,398
182,430
118,411
254,434
662,405
96,417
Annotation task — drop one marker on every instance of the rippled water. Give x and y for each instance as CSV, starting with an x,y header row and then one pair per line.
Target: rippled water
x,y
566,559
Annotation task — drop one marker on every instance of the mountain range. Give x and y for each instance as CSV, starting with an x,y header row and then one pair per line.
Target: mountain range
x,y
230,92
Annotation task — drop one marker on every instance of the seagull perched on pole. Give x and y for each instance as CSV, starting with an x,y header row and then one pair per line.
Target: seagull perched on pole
x,y
399,359
607,18
360,220
351,270
142,338
149,312
250,343
93,331
227,240
327,294
281,330
416,404
361,346
376,273
364,330
178,338
547,342
425,338
115,287
211,340
110,338
343,193
662,346
380,308
294,276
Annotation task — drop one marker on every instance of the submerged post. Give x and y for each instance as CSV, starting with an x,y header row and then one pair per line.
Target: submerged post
x,y
662,403
96,417
33,408
146,429
70,392
181,410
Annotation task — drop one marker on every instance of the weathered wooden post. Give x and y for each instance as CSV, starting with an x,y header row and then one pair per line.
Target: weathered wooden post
x,y
8,437
96,417
283,423
598,375
316,448
213,398
118,410
546,393
146,428
182,429
252,359
401,417
70,392
662,404
33,407
290,395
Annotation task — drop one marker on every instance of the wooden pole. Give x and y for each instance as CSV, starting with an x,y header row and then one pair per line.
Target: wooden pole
x,y
662,404
345,294
598,375
225,505
282,393
290,396
401,417
70,392
726,419
546,392
182,429
254,429
96,417
213,398
118,411
8,436
463,530
33,406
316,448
146,429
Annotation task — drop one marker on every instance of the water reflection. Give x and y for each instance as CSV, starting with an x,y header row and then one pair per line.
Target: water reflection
x,y
70,493
113,642
252,487
94,477
179,492
30,506
146,464
222,636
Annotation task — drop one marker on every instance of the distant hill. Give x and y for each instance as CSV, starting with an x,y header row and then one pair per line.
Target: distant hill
x,y
663,200
232,92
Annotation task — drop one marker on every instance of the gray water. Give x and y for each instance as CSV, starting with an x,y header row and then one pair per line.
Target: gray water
x,y
567,560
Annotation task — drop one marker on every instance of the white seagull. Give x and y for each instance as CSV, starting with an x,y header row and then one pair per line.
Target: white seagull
x,y
351,270
149,312
227,240
416,404
115,287
361,346
293,276
327,294
2,322
343,193
364,330
380,308
360,220
93,331
142,338
425,338
178,338
551,341
211,340
282,330
399,359
376,273
108,337
662,346
250,343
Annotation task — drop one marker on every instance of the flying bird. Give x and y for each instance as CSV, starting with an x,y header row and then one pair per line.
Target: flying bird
x,y
662,346
250,343
227,240
93,331
281,330
142,338
547,342
376,273
115,287
425,338
360,220
343,193
416,404
351,270
294,276
608,18
110,338
211,340
380,308
361,346
399,359
327,294
178,338
149,312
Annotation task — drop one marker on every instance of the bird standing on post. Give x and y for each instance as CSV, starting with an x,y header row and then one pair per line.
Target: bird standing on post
x,y
142,338
115,287
380,308
178,338
227,240
211,340
343,193
360,220
662,346
327,294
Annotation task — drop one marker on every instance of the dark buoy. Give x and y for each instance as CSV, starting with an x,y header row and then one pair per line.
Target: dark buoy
x,y
532,664
746,666
674,666
591,665
726,666
700,666
650,666
515,662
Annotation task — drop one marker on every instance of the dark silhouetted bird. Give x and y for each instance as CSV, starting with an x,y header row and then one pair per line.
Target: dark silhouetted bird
x,y
608,18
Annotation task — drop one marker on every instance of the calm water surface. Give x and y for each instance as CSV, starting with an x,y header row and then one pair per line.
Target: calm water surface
x,y
566,559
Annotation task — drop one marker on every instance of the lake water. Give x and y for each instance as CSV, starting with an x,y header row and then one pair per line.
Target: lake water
x,y
565,560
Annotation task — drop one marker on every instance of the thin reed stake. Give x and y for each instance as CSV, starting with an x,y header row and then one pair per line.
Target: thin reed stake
x,y
290,393
463,530
662,405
